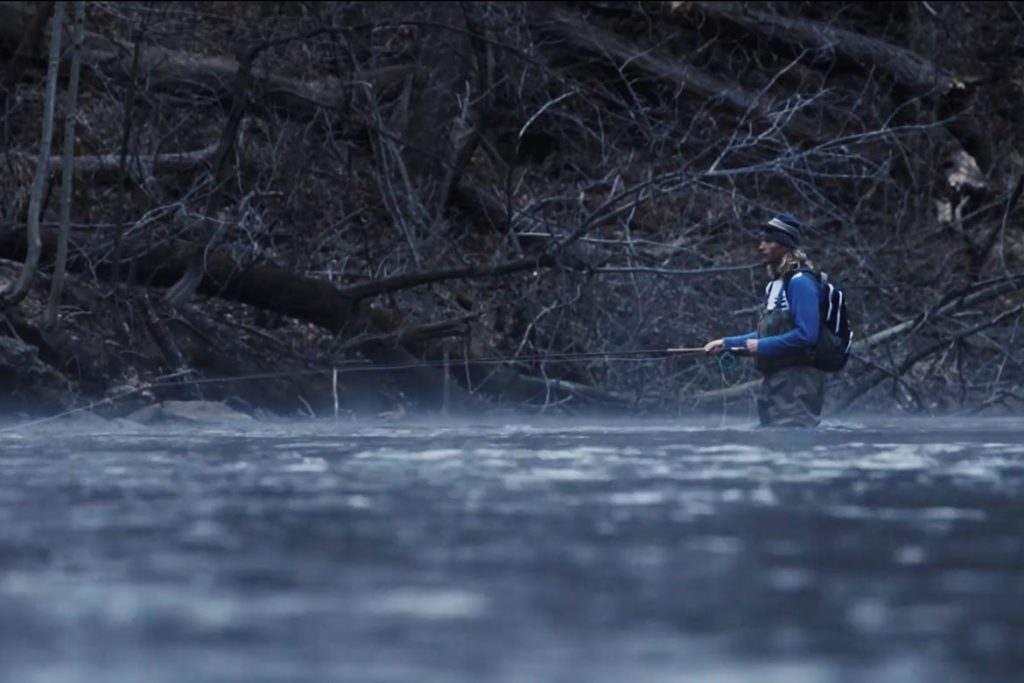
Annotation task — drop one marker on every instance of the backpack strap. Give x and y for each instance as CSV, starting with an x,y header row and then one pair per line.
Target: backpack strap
x,y
822,279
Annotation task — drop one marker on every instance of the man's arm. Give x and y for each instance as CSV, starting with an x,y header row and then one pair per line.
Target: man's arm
x,y
733,342
718,346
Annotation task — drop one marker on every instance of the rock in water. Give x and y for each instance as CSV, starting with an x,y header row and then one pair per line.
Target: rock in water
x,y
189,411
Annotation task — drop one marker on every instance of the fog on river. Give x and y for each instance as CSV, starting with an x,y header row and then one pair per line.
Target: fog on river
x,y
598,551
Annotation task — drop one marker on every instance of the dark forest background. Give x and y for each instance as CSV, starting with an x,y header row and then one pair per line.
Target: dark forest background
x,y
200,190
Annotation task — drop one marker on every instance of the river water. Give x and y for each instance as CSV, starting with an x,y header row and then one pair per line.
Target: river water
x,y
597,551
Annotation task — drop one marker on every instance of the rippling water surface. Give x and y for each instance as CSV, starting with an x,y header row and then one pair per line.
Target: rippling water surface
x,y
555,551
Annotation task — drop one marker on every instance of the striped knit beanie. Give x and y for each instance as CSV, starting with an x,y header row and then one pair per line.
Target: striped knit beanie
x,y
784,229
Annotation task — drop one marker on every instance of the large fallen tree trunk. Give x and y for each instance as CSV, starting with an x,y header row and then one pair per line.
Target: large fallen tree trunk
x,y
346,310
907,67
577,33
164,68
342,311
276,290
105,167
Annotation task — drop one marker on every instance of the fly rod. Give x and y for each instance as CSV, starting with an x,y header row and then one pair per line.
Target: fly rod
x,y
363,365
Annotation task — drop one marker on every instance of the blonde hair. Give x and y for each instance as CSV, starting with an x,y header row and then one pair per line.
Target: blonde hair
x,y
792,261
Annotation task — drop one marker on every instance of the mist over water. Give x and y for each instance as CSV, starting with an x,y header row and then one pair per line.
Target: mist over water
x,y
544,551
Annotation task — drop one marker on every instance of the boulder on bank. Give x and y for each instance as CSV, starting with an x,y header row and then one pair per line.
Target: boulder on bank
x,y
192,412
26,378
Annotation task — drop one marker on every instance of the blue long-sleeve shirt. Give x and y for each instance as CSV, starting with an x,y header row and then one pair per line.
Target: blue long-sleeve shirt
x,y
802,300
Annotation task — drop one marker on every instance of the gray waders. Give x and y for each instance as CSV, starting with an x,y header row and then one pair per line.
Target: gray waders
x,y
790,395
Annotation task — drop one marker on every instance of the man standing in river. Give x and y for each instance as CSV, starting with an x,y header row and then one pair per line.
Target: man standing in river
x,y
792,391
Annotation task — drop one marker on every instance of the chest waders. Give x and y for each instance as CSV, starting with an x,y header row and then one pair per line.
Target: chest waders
x,y
792,392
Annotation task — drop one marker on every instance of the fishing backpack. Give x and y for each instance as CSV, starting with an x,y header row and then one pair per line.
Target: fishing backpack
x,y
835,338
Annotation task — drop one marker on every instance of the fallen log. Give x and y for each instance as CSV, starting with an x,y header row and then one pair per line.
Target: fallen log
x,y
576,32
906,66
167,69
342,311
346,309
272,289
107,166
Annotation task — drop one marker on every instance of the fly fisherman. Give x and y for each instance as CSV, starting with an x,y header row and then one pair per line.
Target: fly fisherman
x,y
792,391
